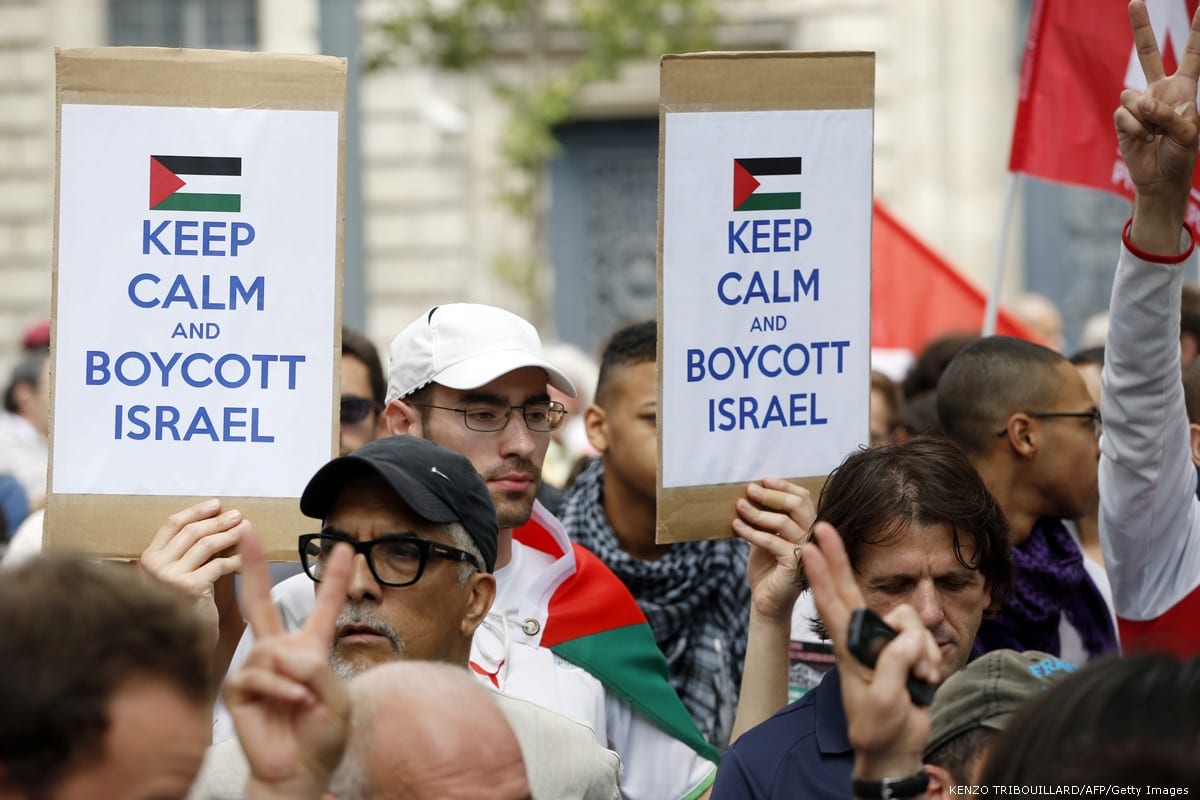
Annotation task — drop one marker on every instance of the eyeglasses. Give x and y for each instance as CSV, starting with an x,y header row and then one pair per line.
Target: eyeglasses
x,y
542,416
1093,415
355,409
395,559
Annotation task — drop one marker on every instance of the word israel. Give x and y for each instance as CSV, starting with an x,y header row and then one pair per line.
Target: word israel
x,y
797,409
769,361
161,423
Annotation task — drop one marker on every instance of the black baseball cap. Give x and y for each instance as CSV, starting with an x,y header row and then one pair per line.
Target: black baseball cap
x,y
438,484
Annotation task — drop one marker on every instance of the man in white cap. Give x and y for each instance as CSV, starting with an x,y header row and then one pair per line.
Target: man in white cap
x,y
563,632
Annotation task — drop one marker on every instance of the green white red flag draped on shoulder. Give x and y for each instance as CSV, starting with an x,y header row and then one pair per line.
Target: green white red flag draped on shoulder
x,y
1079,57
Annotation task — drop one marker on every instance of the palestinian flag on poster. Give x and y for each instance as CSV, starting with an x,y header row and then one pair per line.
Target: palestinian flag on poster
x,y
208,178
766,184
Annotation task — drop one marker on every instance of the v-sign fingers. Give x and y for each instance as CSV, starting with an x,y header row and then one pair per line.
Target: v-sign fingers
x,y
256,587
1144,41
1189,65
331,595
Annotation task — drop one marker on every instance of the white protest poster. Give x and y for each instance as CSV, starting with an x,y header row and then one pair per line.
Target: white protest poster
x,y
764,276
197,291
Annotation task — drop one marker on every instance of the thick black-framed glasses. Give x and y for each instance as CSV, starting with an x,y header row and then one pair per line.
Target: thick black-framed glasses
x,y
395,559
486,416
1093,415
355,409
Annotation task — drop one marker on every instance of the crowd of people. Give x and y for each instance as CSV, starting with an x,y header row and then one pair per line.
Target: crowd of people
x,y
460,626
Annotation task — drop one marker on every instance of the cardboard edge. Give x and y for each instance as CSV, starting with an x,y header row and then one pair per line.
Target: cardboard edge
x,y
691,513
122,526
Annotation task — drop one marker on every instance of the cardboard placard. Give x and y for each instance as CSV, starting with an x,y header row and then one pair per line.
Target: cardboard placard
x,y
197,290
764,276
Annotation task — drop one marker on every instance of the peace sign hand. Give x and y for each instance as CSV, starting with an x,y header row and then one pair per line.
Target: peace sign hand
x,y
1157,133
290,710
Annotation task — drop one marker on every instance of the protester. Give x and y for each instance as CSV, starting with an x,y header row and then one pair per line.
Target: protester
x,y
921,529
429,731
1191,401
1149,514
1090,363
885,408
564,632
25,426
1189,324
918,417
694,594
1128,722
1023,416
975,704
104,684
925,371
569,444
363,391
1041,316
447,550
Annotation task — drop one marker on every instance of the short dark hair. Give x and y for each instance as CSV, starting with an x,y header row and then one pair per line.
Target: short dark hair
x,y
27,371
634,344
73,633
1089,355
1116,720
930,363
988,381
359,346
957,756
919,415
877,492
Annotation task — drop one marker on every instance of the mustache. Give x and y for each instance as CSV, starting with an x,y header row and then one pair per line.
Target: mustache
x,y
360,615
515,464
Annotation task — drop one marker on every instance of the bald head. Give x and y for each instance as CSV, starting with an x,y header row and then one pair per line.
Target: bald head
x,y
428,731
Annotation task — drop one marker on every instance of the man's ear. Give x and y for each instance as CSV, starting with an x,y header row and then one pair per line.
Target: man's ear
x,y
940,782
1019,433
1194,432
400,418
593,422
481,588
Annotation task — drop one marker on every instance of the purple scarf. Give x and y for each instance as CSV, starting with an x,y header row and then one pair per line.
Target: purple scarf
x,y
1050,580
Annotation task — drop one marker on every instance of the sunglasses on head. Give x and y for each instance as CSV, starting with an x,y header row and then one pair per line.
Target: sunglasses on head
x,y
355,409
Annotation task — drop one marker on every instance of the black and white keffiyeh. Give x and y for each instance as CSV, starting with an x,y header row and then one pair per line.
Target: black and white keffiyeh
x,y
695,597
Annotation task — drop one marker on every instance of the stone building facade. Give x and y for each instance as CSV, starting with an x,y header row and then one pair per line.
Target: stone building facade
x,y
432,229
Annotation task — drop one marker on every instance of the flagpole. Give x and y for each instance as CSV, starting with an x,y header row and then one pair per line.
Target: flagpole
x,y
993,301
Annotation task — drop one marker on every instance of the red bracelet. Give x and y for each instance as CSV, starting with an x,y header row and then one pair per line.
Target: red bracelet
x,y
1152,257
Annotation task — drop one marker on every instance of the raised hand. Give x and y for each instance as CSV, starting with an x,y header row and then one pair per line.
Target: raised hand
x,y
774,518
1157,135
887,731
290,710
194,551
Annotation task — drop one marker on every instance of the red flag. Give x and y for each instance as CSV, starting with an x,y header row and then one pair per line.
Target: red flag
x,y
917,295
1079,57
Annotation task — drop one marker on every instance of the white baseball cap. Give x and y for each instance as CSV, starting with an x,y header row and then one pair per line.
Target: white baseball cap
x,y
464,346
